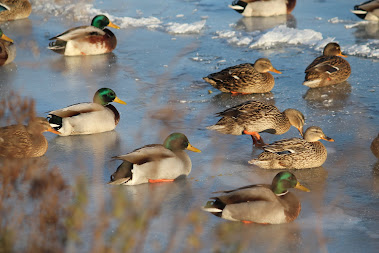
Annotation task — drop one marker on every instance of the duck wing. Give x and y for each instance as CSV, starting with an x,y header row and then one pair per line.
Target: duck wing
x,y
252,108
293,145
148,153
76,109
78,32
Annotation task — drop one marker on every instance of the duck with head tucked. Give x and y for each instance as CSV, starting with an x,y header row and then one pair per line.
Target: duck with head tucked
x,y
368,10
14,9
262,203
245,78
327,69
19,141
7,49
88,118
263,8
155,163
295,153
86,40
254,117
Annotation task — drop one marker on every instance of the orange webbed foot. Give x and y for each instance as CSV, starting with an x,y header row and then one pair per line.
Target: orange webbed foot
x,y
152,181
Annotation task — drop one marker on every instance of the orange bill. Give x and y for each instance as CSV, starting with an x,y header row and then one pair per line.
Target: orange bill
x,y
340,54
117,100
113,25
192,148
52,130
275,70
4,37
300,187
326,138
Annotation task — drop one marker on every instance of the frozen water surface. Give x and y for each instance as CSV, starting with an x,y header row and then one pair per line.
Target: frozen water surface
x,y
164,49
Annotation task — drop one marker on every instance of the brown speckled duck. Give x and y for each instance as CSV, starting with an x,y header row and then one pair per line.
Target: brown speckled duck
x,y
245,78
263,203
375,146
263,8
254,117
295,153
14,9
19,141
327,69
7,49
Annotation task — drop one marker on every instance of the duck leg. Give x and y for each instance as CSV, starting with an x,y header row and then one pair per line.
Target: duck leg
x,y
257,139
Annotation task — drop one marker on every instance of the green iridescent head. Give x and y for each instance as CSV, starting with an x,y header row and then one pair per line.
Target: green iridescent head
x,y
178,141
284,181
3,37
101,21
105,96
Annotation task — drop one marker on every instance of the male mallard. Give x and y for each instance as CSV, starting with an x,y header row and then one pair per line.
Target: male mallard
x,y
19,141
14,9
245,78
155,163
86,40
262,203
253,117
368,10
327,69
295,153
88,118
375,146
263,8
7,49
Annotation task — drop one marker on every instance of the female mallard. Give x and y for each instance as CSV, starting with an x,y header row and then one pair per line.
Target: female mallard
x,y
88,118
262,203
86,40
19,141
245,78
368,10
263,8
254,117
295,153
155,163
375,146
7,49
327,69
14,9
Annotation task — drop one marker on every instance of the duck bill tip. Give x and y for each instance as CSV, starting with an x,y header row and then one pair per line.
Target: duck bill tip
x,y
193,149
117,100
301,187
113,25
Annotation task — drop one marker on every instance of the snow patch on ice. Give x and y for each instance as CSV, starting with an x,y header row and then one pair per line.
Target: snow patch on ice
x,y
370,49
336,20
283,34
177,28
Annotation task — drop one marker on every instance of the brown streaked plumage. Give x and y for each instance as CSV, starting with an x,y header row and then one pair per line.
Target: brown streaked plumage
x,y
245,78
295,153
14,9
19,141
375,146
327,69
254,117
263,203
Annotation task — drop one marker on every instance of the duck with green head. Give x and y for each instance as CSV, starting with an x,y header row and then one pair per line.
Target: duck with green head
x,y
263,203
88,118
7,49
14,9
155,163
86,40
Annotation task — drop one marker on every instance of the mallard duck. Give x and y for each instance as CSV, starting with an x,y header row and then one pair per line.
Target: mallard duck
x,y
19,141
263,8
245,78
155,163
88,118
7,49
14,9
254,117
368,10
262,203
375,146
327,69
295,153
86,40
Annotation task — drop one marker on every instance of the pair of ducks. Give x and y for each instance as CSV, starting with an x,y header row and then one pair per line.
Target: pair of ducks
x,y
82,40
325,70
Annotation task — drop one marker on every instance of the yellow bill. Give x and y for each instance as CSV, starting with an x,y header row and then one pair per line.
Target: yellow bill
x,y
113,25
192,148
300,187
117,100
4,37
